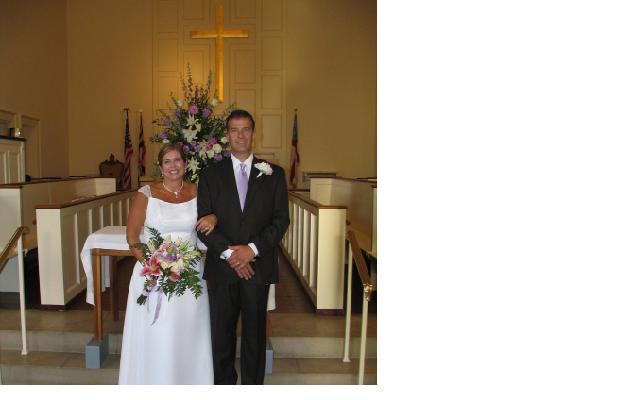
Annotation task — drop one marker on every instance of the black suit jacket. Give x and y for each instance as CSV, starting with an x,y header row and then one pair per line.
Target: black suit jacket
x,y
263,222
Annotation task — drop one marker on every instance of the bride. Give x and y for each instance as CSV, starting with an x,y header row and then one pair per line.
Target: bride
x,y
176,348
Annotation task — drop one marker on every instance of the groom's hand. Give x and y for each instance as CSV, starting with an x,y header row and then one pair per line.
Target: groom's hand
x,y
245,271
242,254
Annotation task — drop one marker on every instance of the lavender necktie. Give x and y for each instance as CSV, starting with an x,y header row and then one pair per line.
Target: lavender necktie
x,y
243,185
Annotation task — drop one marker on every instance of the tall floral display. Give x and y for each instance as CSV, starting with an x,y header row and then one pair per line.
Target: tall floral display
x,y
194,124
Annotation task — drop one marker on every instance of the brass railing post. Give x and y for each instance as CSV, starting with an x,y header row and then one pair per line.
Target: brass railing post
x,y
347,327
366,297
16,240
367,289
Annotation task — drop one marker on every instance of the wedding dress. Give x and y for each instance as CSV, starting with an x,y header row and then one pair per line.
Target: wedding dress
x,y
176,349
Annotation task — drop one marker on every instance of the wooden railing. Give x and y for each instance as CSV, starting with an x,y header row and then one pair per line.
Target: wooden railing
x,y
16,241
315,226
62,231
359,196
367,289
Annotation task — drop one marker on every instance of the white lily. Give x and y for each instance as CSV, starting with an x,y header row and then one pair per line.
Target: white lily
x,y
224,140
216,148
203,151
177,266
192,165
189,134
191,120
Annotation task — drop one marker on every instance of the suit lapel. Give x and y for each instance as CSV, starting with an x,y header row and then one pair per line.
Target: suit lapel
x,y
252,183
230,182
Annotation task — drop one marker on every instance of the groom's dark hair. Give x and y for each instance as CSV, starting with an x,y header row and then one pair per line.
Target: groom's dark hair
x,y
239,114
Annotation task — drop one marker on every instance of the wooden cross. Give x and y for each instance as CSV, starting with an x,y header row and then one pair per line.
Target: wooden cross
x,y
218,33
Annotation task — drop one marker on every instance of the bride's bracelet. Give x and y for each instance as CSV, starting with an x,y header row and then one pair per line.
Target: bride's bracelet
x,y
135,246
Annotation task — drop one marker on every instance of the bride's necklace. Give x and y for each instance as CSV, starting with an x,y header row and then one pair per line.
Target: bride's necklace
x,y
171,191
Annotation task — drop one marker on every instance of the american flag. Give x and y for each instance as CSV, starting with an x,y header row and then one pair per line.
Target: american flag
x,y
295,157
128,153
142,152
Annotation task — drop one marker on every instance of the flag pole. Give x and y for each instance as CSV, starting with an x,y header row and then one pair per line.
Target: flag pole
x,y
142,151
295,156
128,153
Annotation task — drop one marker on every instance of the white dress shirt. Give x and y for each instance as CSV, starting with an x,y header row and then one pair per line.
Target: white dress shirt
x,y
237,170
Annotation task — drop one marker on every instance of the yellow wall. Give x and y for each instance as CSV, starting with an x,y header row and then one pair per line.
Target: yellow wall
x,y
331,80
33,72
81,61
110,56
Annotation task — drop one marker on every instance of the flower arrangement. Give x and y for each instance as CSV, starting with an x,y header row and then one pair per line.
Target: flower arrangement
x,y
169,267
193,123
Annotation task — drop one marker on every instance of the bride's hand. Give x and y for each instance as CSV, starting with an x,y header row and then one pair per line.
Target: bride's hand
x,y
206,224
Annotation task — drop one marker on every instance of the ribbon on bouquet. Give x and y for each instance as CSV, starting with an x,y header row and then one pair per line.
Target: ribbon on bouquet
x,y
159,296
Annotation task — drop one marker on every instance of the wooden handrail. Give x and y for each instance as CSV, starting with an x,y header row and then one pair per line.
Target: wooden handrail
x,y
81,201
367,286
49,180
343,178
312,202
12,242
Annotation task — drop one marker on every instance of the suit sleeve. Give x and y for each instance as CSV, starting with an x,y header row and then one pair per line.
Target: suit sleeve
x,y
207,193
270,236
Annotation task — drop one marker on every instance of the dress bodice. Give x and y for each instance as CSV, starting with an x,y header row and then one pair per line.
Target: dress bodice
x,y
175,219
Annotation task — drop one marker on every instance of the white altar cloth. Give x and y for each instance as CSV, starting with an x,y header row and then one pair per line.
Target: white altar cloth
x,y
109,237
115,238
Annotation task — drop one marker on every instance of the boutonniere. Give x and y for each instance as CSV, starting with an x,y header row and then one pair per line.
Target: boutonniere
x,y
264,168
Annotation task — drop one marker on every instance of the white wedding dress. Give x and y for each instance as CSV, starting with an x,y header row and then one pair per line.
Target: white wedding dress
x,y
176,349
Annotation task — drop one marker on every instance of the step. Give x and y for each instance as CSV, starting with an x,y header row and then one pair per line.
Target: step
x,y
283,346
293,335
280,324
51,368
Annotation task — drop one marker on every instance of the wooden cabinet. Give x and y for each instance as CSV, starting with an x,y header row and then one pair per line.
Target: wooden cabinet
x,y
12,160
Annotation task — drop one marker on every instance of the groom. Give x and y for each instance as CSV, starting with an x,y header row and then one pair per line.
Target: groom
x,y
249,197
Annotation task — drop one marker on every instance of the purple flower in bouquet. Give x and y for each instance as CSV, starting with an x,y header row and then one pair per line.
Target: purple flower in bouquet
x,y
185,147
164,135
178,112
217,157
206,112
195,146
166,121
193,109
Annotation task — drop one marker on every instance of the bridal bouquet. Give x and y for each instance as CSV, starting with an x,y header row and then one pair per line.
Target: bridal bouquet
x,y
169,267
